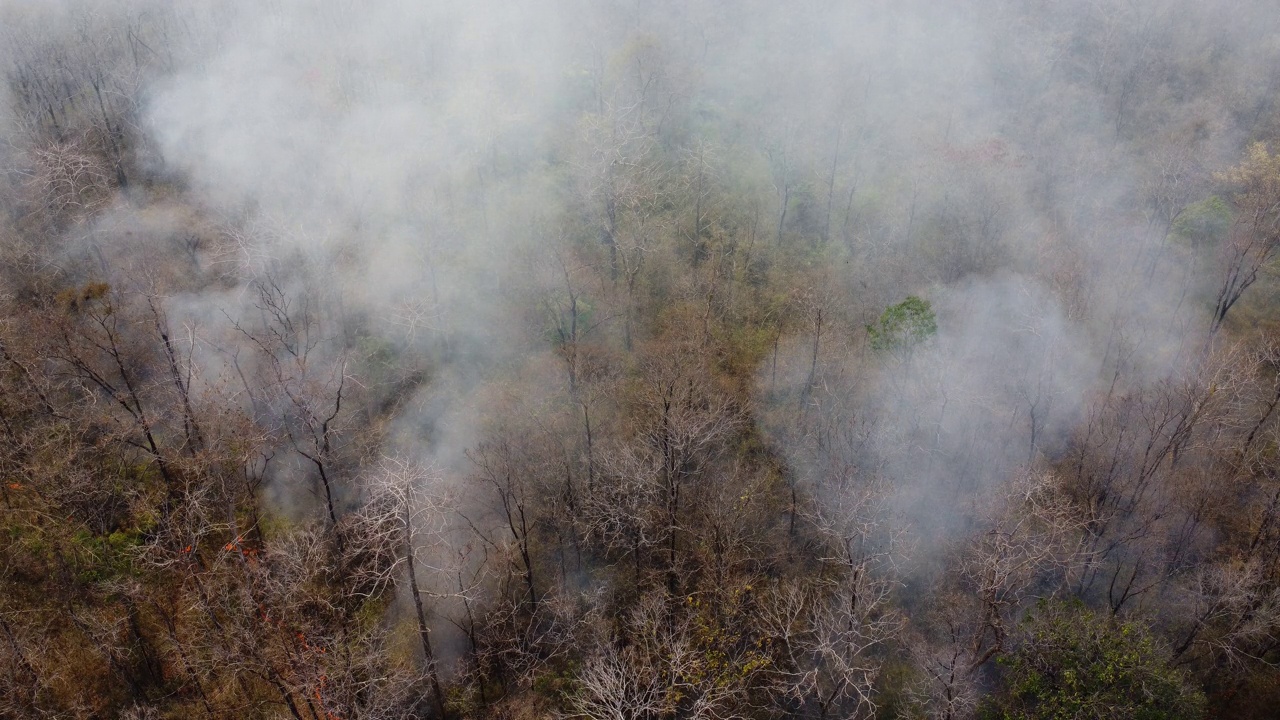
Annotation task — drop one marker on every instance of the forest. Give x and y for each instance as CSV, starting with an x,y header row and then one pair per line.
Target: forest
x,y
640,359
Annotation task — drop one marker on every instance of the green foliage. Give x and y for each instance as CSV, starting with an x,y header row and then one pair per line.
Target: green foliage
x,y
106,557
903,325
1203,222
746,346
568,319
1073,664
893,688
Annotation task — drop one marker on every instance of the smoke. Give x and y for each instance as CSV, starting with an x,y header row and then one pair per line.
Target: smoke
x,y
409,161
1006,184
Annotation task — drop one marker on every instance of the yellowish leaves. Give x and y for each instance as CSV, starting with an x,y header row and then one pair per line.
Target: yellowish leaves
x,y
1256,181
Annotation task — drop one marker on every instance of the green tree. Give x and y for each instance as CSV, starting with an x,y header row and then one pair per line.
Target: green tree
x,y
1072,665
1204,222
903,325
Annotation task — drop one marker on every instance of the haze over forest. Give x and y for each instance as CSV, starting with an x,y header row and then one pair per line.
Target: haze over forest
x,y
639,360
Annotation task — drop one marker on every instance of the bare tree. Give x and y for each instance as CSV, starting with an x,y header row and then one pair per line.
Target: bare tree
x,y
305,378
403,515
1256,232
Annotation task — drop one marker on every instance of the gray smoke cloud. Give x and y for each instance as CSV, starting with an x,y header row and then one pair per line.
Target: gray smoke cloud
x,y
1006,186
409,156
